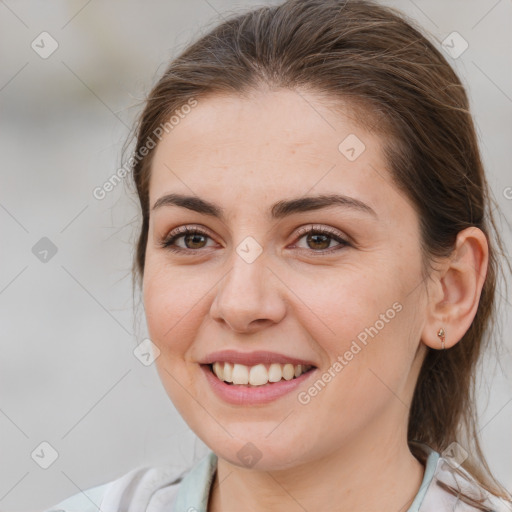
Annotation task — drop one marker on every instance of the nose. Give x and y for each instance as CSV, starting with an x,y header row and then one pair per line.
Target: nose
x,y
249,297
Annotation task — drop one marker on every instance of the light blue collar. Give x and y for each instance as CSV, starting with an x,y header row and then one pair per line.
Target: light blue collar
x,y
430,469
194,490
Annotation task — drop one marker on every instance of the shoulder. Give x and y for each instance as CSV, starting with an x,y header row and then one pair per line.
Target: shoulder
x,y
83,502
454,488
456,485
137,487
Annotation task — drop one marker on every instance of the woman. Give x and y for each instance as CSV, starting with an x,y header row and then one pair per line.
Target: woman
x,y
317,268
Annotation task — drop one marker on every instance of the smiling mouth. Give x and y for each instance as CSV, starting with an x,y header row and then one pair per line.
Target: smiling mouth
x,y
257,375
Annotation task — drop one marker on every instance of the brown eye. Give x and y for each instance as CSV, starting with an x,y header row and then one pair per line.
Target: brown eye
x,y
318,239
194,239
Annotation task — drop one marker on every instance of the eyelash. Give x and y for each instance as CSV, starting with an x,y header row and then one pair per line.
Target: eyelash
x,y
168,242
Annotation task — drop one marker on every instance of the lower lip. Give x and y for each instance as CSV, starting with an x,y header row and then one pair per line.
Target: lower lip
x,y
250,395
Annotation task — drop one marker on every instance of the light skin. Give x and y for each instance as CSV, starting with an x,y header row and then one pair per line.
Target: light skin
x,y
347,448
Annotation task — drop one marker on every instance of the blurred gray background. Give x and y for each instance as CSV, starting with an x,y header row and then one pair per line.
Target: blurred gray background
x,y
68,374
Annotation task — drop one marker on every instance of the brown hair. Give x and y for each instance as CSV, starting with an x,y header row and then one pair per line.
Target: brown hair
x,y
376,60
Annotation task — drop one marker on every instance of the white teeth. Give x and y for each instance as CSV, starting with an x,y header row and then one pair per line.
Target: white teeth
x,y
275,373
227,372
240,374
257,375
218,368
288,371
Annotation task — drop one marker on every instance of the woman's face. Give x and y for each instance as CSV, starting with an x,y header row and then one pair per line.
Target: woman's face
x,y
253,280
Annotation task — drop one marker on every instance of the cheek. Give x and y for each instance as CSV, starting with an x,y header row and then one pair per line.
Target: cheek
x,y
343,302
172,314
364,317
172,303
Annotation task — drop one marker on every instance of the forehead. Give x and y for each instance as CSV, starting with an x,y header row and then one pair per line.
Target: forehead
x,y
267,120
267,145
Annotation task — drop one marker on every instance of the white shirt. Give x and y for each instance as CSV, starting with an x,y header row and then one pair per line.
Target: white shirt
x,y
445,487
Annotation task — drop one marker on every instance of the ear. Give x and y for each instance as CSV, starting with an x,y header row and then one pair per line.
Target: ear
x,y
455,291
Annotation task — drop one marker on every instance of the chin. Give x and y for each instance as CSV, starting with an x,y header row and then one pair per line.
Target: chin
x,y
257,451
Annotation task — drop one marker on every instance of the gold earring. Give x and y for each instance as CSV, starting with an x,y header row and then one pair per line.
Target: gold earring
x,y
441,335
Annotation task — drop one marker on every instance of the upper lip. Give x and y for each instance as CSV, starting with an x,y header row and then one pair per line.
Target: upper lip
x,y
252,358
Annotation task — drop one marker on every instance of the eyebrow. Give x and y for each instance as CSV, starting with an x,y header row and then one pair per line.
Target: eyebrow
x,y
279,210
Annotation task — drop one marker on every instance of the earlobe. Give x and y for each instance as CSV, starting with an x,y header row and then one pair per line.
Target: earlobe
x,y
458,284
442,336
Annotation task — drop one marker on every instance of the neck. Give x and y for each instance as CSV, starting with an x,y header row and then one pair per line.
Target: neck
x,y
361,475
